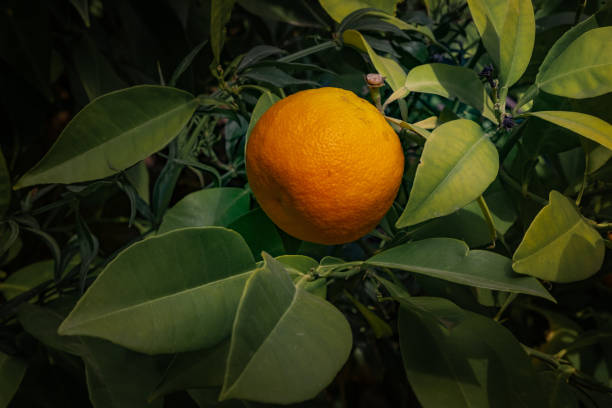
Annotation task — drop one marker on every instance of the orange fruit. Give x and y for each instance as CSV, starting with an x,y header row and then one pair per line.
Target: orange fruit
x,y
324,165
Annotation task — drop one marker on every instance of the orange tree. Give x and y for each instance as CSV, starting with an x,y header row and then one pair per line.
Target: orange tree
x,y
461,147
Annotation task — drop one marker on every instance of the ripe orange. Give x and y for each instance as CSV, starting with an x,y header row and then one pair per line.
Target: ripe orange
x,y
324,165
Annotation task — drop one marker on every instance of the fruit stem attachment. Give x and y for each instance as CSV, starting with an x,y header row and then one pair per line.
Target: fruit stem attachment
x,y
374,82
489,219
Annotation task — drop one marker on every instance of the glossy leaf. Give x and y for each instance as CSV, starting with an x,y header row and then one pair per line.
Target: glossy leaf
x,y
287,345
457,165
116,377
220,13
585,125
583,69
394,74
452,260
559,245
209,207
148,297
12,370
338,9
460,359
5,186
451,82
259,232
112,133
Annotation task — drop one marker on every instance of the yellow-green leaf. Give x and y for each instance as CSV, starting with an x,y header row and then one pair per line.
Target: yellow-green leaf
x,y
507,29
583,69
585,125
559,245
458,163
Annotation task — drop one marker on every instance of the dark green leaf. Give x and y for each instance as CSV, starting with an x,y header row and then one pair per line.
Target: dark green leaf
x,y
338,10
220,13
473,362
97,75
208,207
186,63
275,77
5,186
82,7
12,370
259,232
258,53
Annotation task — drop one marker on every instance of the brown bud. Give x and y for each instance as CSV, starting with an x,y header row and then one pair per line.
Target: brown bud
x,y
375,80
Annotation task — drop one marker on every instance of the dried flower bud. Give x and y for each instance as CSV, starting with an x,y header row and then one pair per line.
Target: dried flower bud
x,y
375,80
508,122
487,73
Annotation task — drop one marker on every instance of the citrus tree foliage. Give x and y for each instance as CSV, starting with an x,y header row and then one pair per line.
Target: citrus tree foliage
x,y
138,270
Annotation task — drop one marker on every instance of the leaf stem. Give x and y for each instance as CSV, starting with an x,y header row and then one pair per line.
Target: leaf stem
x,y
507,303
515,185
489,219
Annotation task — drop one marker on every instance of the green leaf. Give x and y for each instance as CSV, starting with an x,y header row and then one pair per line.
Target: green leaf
x,y
27,278
299,265
195,369
256,54
116,377
5,186
457,165
209,207
220,13
275,77
12,370
186,63
559,245
394,74
583,69
460,359
585,125
259,232
507,29
287,345
112,133
96,73
148,298
138,176
451,82
82,7
570,36
452,260
468,224
265,101
338,9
